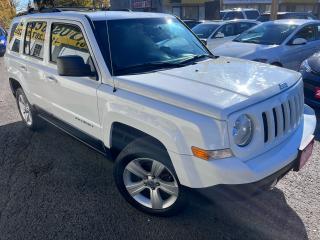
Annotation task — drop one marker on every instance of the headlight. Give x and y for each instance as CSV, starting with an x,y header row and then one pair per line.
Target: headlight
x,y
305,67
2,41
243,130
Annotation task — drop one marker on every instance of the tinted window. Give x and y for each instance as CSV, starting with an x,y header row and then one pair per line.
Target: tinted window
x,y
222,14
34,39
191,24
239,15
317,29
205,30
267,33
101,33
140,45
229,16
264,18
307,33
241,27
66,40
15,36
228,30
252,14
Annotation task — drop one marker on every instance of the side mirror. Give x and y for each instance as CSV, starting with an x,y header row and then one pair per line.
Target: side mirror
x,y
299,41
204,41
73,66
219,35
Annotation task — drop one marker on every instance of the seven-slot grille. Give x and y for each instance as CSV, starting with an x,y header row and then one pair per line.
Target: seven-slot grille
x,y
282,119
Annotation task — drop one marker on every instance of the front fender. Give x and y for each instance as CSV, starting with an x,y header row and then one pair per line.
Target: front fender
x,y
177,129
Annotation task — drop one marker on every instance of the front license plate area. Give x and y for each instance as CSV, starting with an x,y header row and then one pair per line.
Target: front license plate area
x,y
304,155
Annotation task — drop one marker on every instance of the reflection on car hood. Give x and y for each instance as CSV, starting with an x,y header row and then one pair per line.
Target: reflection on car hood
x,y
214,87
238,49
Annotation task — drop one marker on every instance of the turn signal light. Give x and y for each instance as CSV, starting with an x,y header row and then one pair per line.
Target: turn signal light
x,y
211,154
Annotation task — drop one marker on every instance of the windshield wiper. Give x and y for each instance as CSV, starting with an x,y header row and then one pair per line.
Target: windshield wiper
x,y
147,67
197,57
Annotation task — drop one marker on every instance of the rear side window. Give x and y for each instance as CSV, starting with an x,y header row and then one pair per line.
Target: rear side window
x,y
66,40
229,16
34,39
15,36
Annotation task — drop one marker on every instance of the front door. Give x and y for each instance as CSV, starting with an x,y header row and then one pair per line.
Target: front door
x,y
73,99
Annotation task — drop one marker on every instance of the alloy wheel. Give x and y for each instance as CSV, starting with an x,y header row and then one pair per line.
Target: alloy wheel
x,y
25,110
150,183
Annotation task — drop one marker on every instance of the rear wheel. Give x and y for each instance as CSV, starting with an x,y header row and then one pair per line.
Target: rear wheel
x,y
146,178
27,113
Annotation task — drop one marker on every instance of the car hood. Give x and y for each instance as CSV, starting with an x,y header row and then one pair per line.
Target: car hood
x,y
241,50
314,63
214,87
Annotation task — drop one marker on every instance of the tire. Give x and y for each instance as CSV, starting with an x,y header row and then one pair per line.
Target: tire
x,y
157,190
27,112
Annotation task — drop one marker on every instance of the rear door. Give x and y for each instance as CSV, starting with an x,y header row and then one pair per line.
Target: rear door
x,y
33,64
73,99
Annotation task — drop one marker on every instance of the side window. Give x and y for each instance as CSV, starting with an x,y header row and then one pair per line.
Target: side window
x,y
228,30
15,36
307,33
239,15
317,31
34,39
252,14
66,40
243,26
229,16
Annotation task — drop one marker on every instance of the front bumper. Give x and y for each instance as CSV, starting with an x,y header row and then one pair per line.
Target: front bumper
x,y
196,173
241,191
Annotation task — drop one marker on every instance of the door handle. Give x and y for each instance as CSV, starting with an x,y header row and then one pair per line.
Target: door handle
x,y
52,79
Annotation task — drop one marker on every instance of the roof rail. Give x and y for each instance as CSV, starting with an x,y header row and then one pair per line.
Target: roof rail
x,y
41,10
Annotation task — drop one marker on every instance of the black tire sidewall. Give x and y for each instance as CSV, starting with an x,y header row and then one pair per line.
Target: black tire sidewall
x,y
137,150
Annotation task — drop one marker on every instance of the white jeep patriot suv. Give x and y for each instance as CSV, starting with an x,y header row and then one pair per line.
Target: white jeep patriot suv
x,y
144,90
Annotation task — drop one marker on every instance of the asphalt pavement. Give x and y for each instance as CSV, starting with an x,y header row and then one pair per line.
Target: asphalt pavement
x,y
53,187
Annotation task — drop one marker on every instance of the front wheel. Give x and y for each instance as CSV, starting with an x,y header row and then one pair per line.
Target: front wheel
x,y
146,178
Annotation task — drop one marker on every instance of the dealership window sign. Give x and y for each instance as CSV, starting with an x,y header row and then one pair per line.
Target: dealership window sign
x,y
141,3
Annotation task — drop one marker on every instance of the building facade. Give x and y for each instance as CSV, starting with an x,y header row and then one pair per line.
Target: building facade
x,y
198,9
284,5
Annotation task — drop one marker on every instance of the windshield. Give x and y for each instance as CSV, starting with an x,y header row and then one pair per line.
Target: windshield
x,y
205,30
267,34
139,45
